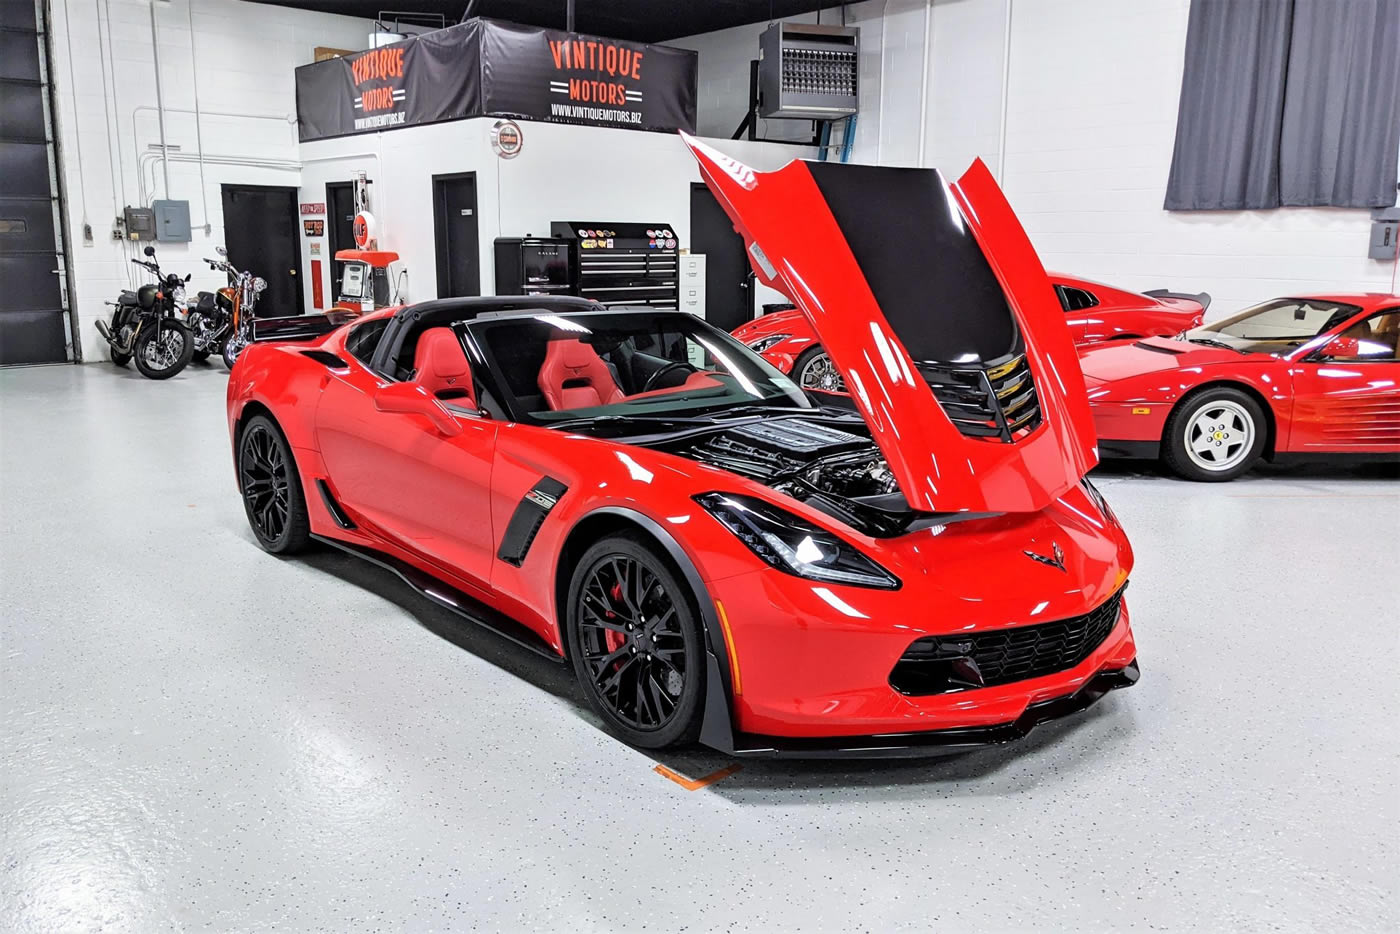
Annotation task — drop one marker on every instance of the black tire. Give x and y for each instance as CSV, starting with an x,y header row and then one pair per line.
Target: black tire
x,y
809,357
145,343
658,665
1236,417
271,488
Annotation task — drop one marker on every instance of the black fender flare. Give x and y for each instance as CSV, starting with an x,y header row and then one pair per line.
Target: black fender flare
x,y
717,724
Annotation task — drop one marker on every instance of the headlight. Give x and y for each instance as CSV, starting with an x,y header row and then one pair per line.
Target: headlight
x,y
259,284
792,544
178,295
1102,503
772,340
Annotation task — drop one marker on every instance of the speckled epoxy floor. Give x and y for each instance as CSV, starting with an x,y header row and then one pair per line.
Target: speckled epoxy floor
x,y
198,736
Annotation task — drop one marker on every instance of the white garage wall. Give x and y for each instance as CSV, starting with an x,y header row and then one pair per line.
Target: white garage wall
x,y
241,55
562,173
1090,121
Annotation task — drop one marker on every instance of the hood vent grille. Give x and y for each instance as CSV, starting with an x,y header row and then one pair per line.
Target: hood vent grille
x,y
995,403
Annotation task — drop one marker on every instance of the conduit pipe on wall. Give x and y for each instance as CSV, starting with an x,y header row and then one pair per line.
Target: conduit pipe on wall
x,y
198,130
1005,97
150,158
160,97
289,119
923,79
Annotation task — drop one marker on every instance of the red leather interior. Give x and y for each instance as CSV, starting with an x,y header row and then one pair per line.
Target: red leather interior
x,y
440,366
573,376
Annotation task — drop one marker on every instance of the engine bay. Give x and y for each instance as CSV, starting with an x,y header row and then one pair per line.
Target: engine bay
x,y
831,469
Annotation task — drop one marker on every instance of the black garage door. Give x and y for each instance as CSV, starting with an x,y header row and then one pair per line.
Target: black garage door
x,y
33,319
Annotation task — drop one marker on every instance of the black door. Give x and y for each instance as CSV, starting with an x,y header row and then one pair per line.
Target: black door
x,y
33,320
340,219
262,232
728,278
458,254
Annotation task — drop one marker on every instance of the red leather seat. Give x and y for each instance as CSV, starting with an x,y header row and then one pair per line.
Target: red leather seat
x,y
440,366
573,376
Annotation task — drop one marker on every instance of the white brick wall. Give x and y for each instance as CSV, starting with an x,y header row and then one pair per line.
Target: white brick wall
x,y
246,54
1090,121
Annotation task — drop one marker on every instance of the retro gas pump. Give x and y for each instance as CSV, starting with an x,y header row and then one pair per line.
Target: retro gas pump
x,y
370,277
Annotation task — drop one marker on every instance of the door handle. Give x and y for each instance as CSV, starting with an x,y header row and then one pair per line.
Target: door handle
x,y
292,271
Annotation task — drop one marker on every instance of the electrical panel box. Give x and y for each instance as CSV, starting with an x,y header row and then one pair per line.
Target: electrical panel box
x,y
140,223
172,220
808,72
1385,228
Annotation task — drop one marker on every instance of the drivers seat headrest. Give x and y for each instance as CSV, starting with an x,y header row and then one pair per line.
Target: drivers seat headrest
x,y
441,367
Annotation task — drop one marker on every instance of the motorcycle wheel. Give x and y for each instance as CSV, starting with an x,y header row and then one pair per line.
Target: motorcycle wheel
x,y
164,356
233,346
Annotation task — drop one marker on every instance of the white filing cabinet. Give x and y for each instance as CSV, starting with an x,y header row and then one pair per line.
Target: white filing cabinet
x,y
693,283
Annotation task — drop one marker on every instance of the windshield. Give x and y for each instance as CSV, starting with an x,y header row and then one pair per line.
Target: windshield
x,y
557,368
1276,326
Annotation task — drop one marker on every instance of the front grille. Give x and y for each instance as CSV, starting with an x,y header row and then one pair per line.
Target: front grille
x,y
941,664
997,402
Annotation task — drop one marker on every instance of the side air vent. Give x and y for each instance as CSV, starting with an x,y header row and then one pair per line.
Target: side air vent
x,y
326,359
998,402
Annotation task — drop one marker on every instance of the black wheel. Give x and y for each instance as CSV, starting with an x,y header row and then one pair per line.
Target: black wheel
x,y
1214,434
813,369
160,354
634,636
272,496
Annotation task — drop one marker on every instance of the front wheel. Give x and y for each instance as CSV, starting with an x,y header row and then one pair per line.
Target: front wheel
x,y
162,352
635,640
1213,435
233,346
271,487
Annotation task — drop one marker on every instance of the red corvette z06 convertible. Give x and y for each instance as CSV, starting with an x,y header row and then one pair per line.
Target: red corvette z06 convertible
x,y
1093,311
1311,376
718,556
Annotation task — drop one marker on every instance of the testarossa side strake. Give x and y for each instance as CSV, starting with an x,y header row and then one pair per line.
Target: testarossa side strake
x,y
720,557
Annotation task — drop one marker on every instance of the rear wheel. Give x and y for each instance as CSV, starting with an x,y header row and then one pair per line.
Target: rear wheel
x,y
1215,434
635,639
271,487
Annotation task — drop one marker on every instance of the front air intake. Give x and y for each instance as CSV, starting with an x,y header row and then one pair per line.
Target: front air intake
x,y
996,402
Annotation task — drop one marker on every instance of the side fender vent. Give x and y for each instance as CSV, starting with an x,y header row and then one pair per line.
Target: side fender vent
x,y
334,508
529,515
326,359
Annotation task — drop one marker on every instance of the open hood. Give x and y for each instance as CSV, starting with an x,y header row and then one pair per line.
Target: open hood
x,y
932,303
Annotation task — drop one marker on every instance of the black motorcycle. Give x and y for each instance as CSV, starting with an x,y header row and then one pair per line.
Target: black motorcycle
x,y
145,327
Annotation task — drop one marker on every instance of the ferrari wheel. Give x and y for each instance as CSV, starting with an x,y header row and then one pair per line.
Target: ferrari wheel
x,y
272,495
814,370
1216,434
634,637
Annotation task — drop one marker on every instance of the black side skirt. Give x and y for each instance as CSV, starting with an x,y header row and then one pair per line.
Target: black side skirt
x,y
449,597
1130,450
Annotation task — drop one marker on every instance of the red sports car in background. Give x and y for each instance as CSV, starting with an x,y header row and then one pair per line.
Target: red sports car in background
x,y
718,557
1094,312
1308,375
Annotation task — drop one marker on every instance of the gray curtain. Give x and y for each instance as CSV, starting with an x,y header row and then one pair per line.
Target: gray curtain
x,y
1231,110
1341,111
1288,102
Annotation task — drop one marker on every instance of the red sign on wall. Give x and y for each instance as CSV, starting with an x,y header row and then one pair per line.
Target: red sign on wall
x,y
313,207
317,299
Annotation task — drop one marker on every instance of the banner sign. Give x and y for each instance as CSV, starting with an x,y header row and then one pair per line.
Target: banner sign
x,y
489,68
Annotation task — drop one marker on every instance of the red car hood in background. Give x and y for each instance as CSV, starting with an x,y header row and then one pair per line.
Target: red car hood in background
x,y
797,246
1104,363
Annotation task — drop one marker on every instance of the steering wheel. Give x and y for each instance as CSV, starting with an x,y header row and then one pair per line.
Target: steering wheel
x,y
656,377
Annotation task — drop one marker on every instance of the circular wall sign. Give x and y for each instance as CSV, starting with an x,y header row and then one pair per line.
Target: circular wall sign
x,y
507,139
364,229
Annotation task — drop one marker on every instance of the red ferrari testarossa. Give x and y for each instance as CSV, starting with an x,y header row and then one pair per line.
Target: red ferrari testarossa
x,y
1314,376
717,555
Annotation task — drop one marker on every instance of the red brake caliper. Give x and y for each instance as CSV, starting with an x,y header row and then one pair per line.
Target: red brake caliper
x,y
614,640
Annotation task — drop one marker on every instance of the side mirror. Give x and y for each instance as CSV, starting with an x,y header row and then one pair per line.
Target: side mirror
x,y
150,251
221,251
412,399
